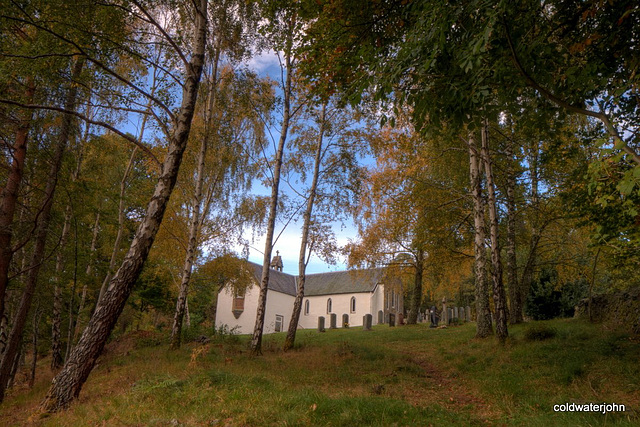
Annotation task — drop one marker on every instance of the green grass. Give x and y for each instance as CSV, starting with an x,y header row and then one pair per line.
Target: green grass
x,y
401,376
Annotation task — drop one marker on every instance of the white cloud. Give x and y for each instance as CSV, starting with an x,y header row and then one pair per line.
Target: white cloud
x,y
265,63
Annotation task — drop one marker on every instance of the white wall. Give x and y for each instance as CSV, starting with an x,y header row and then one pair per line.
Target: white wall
x,y
277,303
282,304
377,302
341,303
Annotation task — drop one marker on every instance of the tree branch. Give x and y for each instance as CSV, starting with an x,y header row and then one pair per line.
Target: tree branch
x,y
105,125
603,117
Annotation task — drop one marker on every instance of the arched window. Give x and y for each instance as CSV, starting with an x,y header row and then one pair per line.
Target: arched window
x,y
329,306
353,304
306,308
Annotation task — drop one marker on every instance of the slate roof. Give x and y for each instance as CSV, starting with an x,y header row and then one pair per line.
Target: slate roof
x,y
335,282
278,281
342,282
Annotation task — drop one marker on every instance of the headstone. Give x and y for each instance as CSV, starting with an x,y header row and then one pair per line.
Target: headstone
x,y
345,320
450,315
366,322
392,319
433,317
468,310
380,317
332,321
456,313
321,324
445,312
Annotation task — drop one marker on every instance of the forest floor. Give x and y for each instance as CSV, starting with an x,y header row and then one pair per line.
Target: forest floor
x,y
405,376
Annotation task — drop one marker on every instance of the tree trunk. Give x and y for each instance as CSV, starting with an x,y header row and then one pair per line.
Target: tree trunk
x,y
194,226
529,268
302,258
9,194
15,366
87,274
56,345
499,299
483,313
515,312
123,189
67,385
36,322
4,326
121,218
56,320
72,302
15,338
416,300
256,339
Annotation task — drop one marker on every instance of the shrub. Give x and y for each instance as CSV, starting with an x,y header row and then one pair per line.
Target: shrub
x,y
539,332
547,300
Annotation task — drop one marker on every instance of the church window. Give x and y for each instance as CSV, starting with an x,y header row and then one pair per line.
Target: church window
x,y
329,306
279,322
237,305
353,304
238,300
306,307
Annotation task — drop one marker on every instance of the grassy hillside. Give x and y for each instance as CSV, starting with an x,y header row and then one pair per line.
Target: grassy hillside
x,y
409,375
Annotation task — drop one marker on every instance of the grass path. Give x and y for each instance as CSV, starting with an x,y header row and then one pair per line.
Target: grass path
x,y
401,376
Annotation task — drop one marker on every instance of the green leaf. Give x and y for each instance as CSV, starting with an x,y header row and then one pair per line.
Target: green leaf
x,y
626,186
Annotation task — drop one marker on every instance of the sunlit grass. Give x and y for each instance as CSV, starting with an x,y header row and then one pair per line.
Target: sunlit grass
x,y
408,375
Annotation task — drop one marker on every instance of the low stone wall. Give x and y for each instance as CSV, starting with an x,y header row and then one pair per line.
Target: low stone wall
x,y
621,309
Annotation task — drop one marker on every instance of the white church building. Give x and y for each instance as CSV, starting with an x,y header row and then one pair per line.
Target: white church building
x,y
353,293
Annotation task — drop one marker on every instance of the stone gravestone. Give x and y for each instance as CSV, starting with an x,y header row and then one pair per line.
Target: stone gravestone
x,y
392,319
445,312
320,323
468,310
332,321
345,320
380,317
367,319
449,315
456,313
433,317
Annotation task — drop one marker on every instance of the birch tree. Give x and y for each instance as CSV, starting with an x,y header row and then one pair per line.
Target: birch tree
x,y
284,27
67,384
499,299
483,312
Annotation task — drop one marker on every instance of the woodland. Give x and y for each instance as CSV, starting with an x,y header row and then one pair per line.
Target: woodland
x,y
488,153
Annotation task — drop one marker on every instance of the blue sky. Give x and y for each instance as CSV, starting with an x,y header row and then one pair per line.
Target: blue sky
x,y
288,243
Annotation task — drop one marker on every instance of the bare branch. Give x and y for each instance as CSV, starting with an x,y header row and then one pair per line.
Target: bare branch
x,y
155,23
88,120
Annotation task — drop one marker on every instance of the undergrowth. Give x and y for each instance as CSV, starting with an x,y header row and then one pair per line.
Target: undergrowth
x,y
409,375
